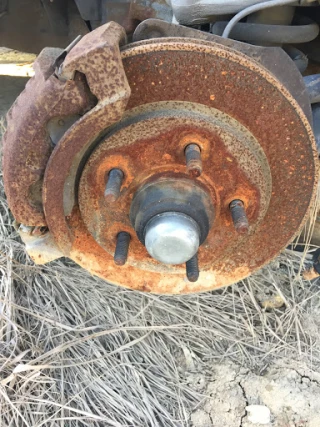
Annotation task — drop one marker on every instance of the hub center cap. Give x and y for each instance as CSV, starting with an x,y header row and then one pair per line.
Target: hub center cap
x,y
172,238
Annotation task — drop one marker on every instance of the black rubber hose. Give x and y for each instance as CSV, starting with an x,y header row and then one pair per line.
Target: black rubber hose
x,y
316,124
306,31
313,87
298,57
252,9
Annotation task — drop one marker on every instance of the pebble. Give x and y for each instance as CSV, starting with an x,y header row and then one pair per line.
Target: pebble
x,y
258,414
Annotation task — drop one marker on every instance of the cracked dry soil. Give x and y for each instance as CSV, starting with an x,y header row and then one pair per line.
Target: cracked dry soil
x,y
290,391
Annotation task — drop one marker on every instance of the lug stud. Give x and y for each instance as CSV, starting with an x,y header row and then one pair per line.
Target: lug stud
x,y
122,248
239,217
113,186
193,160
192,268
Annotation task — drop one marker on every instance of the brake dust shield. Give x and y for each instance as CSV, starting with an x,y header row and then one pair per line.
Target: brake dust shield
x,y
136,109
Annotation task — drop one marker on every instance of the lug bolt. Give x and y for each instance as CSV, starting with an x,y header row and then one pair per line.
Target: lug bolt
x,y
239,217
192,269
113,186
122,248
193,160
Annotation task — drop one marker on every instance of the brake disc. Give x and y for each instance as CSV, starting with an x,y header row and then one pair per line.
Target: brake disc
x,y
168,151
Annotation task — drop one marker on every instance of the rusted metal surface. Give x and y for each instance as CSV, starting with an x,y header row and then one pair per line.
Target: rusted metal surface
x,y
129,14
145,9
97,56
153,148
26,144
113,186
247,108
274,59
193,160
239,217
152,100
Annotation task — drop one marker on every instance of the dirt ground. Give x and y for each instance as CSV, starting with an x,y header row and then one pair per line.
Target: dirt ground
x,y
290,391
75,351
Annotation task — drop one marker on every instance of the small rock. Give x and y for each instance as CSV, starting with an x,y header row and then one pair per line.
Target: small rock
x,y
273,302
200,418
258,414
310,273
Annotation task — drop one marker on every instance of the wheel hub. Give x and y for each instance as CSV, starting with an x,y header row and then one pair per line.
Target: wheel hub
x,y
148,145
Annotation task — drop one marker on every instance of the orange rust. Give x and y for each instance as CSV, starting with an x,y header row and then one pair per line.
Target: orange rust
x,y
26,144
97,55
193,170
204,143
257,101
106,222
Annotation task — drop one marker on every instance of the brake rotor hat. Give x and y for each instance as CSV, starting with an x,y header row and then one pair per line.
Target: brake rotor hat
x,y
172,238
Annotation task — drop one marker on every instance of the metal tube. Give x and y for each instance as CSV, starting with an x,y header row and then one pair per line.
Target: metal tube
x,y
265,33
251,9
299,58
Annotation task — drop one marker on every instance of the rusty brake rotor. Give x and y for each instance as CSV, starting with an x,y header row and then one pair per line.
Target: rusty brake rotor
x,y
172,151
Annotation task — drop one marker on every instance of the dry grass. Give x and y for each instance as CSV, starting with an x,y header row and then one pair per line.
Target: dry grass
x,y
75,351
